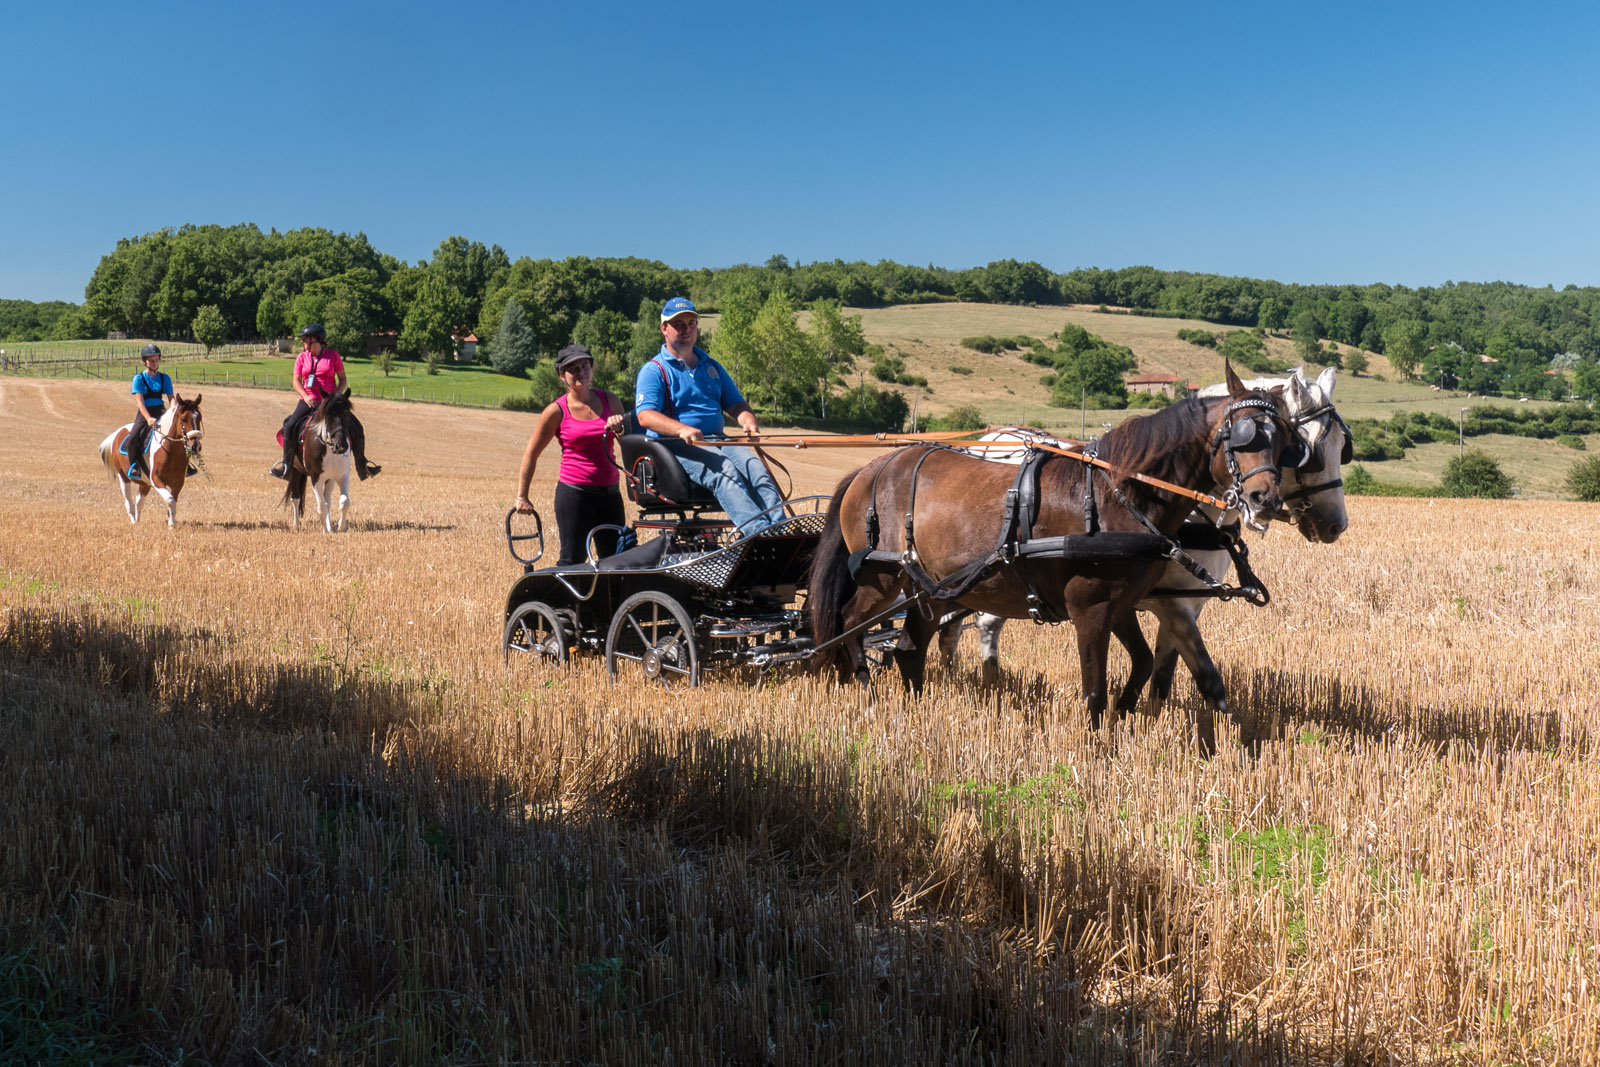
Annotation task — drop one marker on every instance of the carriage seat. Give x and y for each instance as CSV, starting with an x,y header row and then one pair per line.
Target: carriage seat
x,y
656,481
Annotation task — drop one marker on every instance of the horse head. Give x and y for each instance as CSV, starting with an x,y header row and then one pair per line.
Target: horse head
x,y
1252,438
184,426
331,422
1313,491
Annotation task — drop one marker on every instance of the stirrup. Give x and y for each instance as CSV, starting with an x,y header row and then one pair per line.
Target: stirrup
x,y
280,469
372,471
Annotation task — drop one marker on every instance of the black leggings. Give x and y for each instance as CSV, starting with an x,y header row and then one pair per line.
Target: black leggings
x,y
137,437
579,509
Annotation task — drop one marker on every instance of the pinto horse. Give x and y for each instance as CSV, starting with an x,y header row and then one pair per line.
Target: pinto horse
x,y
323,462
950,501
166,460
1313,494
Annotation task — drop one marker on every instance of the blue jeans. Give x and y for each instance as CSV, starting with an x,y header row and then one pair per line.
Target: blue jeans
x,y
736,477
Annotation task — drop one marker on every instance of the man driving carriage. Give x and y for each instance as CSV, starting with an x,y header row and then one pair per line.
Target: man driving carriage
x,y
318,374
681,395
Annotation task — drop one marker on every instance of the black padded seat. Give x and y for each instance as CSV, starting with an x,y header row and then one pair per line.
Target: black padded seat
x,y
638,558
656,481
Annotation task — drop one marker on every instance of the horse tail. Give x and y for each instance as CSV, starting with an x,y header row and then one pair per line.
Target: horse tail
x,y
830,582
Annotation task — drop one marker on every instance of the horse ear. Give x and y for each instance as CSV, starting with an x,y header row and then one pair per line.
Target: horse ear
x,y
1236,388
197,397
1325,382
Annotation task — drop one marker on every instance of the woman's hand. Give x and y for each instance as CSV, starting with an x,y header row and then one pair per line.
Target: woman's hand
x,y
523,506
615,424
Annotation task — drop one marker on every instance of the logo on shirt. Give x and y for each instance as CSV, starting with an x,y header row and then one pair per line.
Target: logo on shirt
x,y
638,400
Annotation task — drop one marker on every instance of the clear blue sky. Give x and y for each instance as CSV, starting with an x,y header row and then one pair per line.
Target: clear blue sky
x,y
1404,143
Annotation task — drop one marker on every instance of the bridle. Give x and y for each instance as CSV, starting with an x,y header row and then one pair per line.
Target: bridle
x,y
1313,462
189,439
1234,435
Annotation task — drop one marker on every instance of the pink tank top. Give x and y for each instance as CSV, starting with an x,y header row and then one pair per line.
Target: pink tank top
x,y
585,448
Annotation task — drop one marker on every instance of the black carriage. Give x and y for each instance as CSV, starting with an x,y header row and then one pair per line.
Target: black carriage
x,y
691,594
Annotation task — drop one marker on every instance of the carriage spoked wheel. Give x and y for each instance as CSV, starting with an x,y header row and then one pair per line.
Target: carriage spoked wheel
x,y
535,629
653,631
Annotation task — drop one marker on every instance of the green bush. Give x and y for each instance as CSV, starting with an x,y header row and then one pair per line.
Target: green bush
x,y
965,417
956,368
1583,479
1204,338
1572,441
1474,473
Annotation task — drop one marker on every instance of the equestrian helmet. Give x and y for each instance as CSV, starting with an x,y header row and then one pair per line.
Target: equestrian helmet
x,y
314,329
149,350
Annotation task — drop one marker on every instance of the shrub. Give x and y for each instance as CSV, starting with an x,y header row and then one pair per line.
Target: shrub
x,y
1474,473
965,417
1204,338
1358,481
956,368
1572,441
384,361
988,345
1583,479
435,361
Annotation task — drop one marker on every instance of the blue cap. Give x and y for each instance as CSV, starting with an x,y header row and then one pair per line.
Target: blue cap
x,y
678,305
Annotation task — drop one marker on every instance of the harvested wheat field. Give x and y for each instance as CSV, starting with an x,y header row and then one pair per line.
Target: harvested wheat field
x,y
274,797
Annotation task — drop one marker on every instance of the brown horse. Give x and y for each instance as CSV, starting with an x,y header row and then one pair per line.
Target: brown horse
x,y
175,438
948,556
323,462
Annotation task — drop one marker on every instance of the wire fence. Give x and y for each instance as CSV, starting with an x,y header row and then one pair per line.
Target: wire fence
x,y
113,359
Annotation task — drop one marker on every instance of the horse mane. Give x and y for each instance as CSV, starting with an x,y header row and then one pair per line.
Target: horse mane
x,y
337,405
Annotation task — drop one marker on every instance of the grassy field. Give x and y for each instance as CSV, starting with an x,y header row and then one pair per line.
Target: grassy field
x,y
274,797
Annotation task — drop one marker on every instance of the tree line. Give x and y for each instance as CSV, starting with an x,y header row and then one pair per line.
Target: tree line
x,y
237,282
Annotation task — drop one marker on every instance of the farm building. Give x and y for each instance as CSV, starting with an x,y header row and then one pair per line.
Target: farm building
x,y
1165,384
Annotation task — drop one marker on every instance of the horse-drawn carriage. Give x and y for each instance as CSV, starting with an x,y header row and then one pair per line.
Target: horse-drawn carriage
x,y
690,594
694,595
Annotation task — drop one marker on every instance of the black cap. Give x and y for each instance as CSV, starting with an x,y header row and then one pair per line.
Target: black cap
x,y
149,350
571,354
314,330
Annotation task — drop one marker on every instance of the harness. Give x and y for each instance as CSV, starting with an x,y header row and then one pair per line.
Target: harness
x,y
1021,510
1313,463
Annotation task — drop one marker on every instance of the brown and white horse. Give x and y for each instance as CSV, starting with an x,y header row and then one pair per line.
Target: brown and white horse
x,y
166,460
323,462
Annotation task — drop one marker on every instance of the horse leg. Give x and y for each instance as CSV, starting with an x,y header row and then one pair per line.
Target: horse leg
x,y
1185,634
344,501
950,627
1167,645
989,627
921,625
1093,625
169,498
1132,638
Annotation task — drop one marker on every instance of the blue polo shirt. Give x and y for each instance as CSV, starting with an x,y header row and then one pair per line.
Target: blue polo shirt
x,y
698,397
153,387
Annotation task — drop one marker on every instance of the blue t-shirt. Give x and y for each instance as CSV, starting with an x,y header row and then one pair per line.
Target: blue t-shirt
x,y
154,387
698,397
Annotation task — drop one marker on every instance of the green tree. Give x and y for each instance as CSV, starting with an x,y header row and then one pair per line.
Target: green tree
x,y
791,371
1583,479
1305,338
515,347
1474,473
1405,343
1586,378
838,340
209,327
431,322
1356,362
1271,315
644,340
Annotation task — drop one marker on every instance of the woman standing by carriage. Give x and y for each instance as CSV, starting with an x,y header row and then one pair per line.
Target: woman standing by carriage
x,y
584,421
318,374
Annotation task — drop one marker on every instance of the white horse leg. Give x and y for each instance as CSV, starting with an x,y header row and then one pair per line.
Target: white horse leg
x,y
989,627
344,501
171,500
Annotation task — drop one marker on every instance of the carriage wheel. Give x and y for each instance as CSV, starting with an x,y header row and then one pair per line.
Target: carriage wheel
x,y
653,630
535,629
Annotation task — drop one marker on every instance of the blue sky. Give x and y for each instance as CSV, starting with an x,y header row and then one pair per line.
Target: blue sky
x,y
1402,143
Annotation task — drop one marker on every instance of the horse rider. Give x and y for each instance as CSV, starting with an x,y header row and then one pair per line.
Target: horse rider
x,y
318,374
681,396
154,390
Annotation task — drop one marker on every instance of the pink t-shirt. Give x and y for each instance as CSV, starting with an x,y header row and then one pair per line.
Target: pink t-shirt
x,y
586,446
323,370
